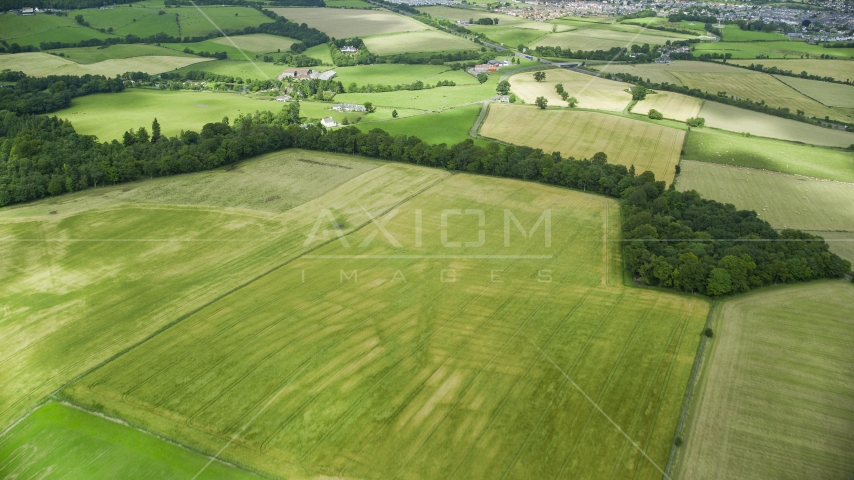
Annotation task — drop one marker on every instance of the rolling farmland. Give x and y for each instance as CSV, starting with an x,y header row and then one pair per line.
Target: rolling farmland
x,y
42,64
777,396
775,50
591,92
420,41
351,23
830,94
64,440
671,105
733,119
783,200
388,371
604,37
764,153
390,74
628,142
449,126
838,69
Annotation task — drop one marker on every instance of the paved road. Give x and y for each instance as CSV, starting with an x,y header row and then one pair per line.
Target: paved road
x,y
476,126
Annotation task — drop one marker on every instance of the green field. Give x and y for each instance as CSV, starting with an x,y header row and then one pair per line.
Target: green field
x,y
57,440
40,64
90,55
671,105
130,259
591,92
830,94
417,42
781,49
348,4
434,99
733,119
320,52
777,390
599,36
734,34
838,69
645,145
450,126
783,200
394,373
661,73
238,67
733,149
348,23
32,30
393,74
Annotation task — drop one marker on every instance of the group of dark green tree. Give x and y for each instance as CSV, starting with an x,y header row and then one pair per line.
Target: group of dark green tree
x,y
34,95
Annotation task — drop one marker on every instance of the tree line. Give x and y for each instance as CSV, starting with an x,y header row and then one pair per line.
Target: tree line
x,y
35,95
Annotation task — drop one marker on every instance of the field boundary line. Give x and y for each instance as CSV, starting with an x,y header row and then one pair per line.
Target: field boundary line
x,y
689,394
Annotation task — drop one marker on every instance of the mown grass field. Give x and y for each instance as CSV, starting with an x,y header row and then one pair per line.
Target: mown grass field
x,y
434,99
32,30
392,74
838,69
780,49
238,67
628,142
416,42
591,92
108,116
731,33
61,440
258,43
783,200
450,126
830,94
598,36
671,105
394,373
90,55
732,149
777,395
733,119
143,255
348,23
40,64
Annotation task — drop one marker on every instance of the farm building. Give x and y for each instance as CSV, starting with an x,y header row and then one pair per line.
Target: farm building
x,y
348,107
327,75
284,98
296,73
328,122
485,67
27,11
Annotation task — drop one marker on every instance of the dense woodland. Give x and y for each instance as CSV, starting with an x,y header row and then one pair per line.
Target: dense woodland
x,y
34,95
673,239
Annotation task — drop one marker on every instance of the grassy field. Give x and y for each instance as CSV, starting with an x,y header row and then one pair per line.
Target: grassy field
x,y
378,376
733,119
351,23
434,99
628,142
781,49
731,33
777,399
320,52
40,64
732,149
838,69
660,73
392,74
348,4
420,41
258,43
671,105
140,261
591,92
32,30
57,440
784,200
99,54
599,36
238,67
830,94
450,126
457,13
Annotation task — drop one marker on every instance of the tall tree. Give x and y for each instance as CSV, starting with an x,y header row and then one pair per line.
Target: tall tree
x,y
155,131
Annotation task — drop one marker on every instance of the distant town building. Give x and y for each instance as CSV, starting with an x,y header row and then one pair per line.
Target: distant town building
x,y
348,107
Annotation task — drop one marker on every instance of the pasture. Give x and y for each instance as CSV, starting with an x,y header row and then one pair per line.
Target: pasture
x,y
90,55
142,264
777,387
67,442
393,74
416,42
662,72
349,23
783,200
739,150
108,116
591,92
597,36
258,43
645,145
731,33
830,94
238,67
457,13
213,47
780,49
449,126
40,64
838,69
434,99
733,119
671,105
391,372
32,30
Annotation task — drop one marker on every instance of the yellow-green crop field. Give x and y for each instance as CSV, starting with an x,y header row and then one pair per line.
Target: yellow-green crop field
x,y
420,41
348,23
603,37
591,92
671,105
40,64
830,94
581,134
432,349
777,392
783,200
838,69
738,120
